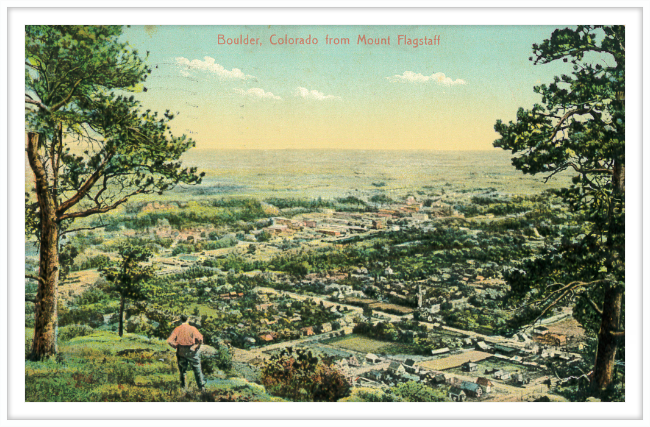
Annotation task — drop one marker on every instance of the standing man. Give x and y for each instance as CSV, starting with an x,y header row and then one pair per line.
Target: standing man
x,y
187,340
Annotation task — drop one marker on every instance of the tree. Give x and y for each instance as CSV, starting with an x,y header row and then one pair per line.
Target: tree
x,y
302,376
580,127
89,147
381,199
129,277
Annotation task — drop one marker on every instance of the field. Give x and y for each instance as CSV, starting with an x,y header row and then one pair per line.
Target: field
x,y
391,308
362,344
455,360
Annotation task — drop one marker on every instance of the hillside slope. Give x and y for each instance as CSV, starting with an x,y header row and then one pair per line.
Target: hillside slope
x,y
98,366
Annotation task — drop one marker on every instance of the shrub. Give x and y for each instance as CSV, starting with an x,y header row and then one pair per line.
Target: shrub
x,y
220,359
66,333
122,373
301,376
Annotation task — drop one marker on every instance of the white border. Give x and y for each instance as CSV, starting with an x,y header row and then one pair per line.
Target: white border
x,y
17,409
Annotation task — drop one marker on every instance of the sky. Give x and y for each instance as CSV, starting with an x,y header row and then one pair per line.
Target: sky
x,y
446,95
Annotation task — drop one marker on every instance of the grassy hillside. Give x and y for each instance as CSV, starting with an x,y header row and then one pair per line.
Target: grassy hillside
x,y
98,366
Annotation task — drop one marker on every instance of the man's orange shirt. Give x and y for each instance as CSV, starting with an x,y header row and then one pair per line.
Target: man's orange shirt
x,y
185,335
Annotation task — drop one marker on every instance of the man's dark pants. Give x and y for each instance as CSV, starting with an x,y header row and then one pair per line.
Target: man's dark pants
x,y
189,359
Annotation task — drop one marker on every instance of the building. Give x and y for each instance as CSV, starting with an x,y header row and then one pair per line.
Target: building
x,y
396,368
266,338
410,366
377,224
501,375
470,367
456,394
485,383
307,331
372,358
520,379
471,389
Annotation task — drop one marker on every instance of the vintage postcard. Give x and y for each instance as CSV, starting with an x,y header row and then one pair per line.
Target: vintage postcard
x,y
325,213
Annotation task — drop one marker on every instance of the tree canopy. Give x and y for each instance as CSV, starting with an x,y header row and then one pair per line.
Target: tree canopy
x,y
90,146
580,127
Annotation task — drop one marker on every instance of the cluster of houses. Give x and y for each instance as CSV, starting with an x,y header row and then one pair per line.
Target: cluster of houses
x,y
398,372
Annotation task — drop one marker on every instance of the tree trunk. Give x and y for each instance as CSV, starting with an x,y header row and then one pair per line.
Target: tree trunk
x,y
45,325
604,368
121,328
607,342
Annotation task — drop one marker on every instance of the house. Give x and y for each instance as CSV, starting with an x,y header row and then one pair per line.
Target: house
x,y
457,395
266,338
353,361
377,225
307,331
509,351
326,327
481,345
396,368
440,351
540,330
471,389
374,375
439,379
372,358
485,383
501,375
520,379
470,366
410,366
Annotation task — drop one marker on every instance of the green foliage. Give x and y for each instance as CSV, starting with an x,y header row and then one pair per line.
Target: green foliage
x,y
381,199
221,359
66,333
580,127
67,255
101,368
129,276
302,376
98,261
412,391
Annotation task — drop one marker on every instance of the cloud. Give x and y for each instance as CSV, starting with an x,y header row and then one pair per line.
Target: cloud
x,y
256,92
313,94
439,78
210,66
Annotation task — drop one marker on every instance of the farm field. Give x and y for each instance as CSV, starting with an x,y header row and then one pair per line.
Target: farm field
x,y
363,344
455,360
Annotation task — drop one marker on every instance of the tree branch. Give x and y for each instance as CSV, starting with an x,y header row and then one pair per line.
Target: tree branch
x,y
37,103
83,190
67,98
592,304
82,229
564,118
99,209
36,278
